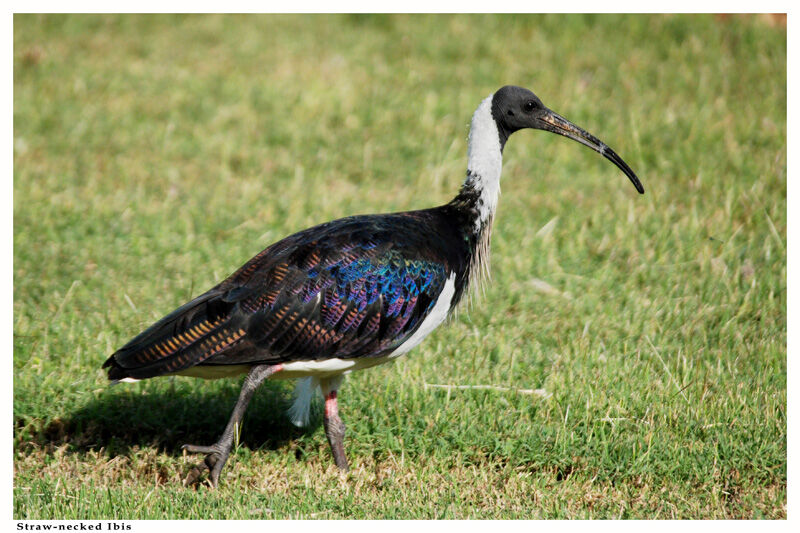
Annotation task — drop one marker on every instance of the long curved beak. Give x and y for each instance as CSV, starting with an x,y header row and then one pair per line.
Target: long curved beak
x,y
555,123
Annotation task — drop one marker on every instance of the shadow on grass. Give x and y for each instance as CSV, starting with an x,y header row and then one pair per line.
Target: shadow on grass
x,y
165,418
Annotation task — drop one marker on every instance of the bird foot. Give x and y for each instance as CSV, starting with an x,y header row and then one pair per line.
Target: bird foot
x,y
216,456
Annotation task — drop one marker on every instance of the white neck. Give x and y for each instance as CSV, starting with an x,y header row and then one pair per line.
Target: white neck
x,y
485,161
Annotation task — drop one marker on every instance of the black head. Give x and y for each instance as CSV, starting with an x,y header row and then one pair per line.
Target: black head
x,y
516,108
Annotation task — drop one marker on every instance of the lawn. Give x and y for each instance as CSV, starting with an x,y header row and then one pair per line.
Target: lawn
x,y
153,155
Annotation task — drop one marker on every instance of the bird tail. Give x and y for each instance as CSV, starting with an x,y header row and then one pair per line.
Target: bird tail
x,y
184,338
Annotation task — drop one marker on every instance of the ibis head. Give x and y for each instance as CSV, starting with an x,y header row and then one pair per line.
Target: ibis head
x,y
516,108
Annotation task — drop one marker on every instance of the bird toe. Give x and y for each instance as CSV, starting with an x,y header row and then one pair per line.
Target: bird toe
x,y
216,457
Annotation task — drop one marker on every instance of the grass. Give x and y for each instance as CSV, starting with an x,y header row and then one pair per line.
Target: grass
x,y
153,155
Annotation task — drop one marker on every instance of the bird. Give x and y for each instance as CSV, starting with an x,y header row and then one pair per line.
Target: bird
x,y
344,295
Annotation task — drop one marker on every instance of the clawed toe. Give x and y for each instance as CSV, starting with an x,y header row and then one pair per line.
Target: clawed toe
x,y
216,457
193,448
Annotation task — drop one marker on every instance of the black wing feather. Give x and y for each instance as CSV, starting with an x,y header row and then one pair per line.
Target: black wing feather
x,y
355,287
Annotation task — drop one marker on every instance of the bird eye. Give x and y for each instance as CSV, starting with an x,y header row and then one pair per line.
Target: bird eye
x,y
530,105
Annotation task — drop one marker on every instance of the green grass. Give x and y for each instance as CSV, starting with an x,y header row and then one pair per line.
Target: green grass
x,y
154,155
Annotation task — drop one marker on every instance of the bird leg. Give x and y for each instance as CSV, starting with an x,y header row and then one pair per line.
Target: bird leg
x,y
217,454
334,427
